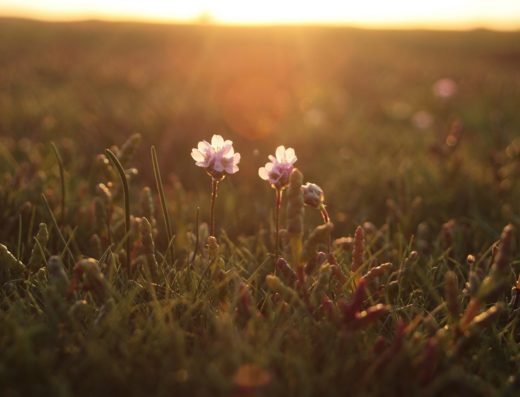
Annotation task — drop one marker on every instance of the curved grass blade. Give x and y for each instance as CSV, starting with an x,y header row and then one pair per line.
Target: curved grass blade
x,y
62,179
196,248
19,242
55,224
162,197
117,164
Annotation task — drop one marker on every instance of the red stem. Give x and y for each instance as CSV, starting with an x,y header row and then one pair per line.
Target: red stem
x,y
326,219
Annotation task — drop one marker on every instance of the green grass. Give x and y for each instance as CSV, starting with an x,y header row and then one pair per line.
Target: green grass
x,y
155,311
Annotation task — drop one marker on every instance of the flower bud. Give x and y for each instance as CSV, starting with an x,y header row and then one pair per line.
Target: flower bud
x,y
312,195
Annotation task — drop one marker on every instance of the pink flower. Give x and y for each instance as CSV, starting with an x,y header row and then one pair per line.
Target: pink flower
x,y
218,158
422,120
278,170
445,88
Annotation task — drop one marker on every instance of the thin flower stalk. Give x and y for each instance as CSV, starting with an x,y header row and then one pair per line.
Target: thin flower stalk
x,y
214,190
313,197
277,172
218,158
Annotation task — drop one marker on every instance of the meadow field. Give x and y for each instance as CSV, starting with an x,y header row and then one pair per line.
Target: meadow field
x,y
410,289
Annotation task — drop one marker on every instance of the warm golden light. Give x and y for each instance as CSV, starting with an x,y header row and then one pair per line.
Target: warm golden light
x,y
497,14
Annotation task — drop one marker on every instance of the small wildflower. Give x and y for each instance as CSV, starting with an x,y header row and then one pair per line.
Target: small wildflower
x,y
422,120
217,157
445,88
278,170
312,195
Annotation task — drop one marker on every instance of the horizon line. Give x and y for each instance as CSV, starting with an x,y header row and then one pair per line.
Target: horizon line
x,y
466,26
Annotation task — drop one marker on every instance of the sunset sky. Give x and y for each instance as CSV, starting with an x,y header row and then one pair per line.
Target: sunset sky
x,y
452,14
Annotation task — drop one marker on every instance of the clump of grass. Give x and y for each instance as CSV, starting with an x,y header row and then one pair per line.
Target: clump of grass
x,y
162,197
126,196
98,304
37,258
420,309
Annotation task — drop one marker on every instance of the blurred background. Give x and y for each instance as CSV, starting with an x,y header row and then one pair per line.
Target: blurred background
x,y
400,110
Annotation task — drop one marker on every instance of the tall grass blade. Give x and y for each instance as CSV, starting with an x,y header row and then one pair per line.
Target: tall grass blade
x,y
126,194
55,224
162,197
62,180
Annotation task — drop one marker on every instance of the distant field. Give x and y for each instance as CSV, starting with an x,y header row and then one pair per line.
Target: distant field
x,y
415,135
345,99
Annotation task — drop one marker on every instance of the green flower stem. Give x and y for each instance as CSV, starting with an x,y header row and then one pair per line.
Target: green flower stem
x,y
214,188
278,204
162,197
126,195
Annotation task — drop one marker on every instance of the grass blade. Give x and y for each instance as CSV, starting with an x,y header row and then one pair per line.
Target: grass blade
x,y
162,197
62,179
117,164
55,223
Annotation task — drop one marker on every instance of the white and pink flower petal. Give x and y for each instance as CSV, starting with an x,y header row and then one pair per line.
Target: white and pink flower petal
x,y
280,153
217,141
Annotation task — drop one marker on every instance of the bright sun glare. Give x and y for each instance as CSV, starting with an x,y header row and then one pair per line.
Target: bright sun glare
x,y
499,14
